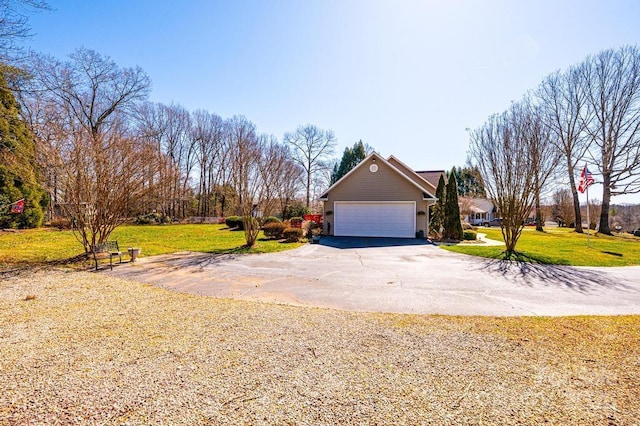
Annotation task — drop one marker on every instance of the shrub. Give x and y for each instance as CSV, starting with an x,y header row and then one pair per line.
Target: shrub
x,y
60,223
292,235
296,209
152,218
466,226
311,228
274,230
470,235
296,222
272,219
234,222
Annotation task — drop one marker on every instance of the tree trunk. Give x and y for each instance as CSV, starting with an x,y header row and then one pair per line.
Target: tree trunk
x,y
538,214
576,201
606,200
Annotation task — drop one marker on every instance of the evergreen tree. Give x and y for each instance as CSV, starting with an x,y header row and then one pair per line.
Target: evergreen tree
x,y
18,175
437,211
350,158
452,223
469,182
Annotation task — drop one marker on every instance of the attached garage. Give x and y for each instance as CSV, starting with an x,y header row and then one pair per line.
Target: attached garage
x,y
379,198
395,219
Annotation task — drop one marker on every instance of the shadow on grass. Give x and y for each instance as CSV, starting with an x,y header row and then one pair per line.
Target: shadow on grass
x,y
531,271
19,269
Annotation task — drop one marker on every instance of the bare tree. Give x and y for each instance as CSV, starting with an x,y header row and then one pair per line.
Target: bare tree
x,y
531,131
563,206
168,127
565,113
208,135
311,146
245,148
497,149
14,25
99,164
612,83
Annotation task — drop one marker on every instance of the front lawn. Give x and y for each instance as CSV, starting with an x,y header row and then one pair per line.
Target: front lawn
x,y
562,246
46,245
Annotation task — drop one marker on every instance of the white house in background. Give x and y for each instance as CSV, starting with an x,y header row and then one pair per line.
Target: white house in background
x,y
480,211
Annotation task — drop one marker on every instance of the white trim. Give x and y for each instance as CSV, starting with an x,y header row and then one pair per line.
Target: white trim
x,y
336,214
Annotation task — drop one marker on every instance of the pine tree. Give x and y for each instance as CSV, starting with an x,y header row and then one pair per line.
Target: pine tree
x,y
350,158
18,174
437,212
452,223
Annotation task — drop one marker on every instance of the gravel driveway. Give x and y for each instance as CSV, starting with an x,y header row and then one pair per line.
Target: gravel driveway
x,y
403,276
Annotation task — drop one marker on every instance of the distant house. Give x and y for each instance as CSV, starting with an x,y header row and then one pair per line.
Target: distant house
x,y
477,211
380,198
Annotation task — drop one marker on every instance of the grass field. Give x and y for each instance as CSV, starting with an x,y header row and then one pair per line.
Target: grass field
x,y
46,245
562,246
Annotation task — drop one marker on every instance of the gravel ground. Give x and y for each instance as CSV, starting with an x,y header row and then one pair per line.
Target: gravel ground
x,y
85,348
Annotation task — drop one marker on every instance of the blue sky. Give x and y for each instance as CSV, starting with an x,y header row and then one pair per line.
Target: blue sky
x,y
406,77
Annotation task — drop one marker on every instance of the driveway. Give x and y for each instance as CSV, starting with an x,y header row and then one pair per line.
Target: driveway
x,y
389,275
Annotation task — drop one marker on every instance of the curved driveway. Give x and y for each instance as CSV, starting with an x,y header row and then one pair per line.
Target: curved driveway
x,y
387,275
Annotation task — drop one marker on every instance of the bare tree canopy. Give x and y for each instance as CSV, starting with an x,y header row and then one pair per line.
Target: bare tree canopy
x,y
98,163
14,25
612,83
566,114
311,147
511,152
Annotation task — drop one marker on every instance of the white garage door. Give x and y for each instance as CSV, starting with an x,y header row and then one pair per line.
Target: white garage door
x,y
375,219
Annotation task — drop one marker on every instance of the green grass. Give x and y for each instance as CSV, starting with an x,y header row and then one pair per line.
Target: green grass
x,y
45,245
562,246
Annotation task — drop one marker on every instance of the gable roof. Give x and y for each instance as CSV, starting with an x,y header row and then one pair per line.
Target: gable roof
x,y
481,205
427,191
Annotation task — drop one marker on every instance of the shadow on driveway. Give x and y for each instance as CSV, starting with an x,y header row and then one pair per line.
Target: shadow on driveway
x,y
367,242
582,280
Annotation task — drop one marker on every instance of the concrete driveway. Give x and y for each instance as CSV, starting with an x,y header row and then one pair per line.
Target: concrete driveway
x,y
388,275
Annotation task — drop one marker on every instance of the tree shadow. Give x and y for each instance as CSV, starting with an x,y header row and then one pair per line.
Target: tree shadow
x,y
531,272
24,268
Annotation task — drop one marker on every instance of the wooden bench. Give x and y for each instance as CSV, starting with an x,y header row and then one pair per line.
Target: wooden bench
x,y
109,249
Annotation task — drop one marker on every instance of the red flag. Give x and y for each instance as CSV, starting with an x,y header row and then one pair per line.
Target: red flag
x,y
586,179
18,207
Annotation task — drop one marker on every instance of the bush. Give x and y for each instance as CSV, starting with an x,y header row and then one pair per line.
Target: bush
x,y
311,228
234,222
152,218
274,230
470,235
293,235
466,226
61,223
272,219
296,209
296,222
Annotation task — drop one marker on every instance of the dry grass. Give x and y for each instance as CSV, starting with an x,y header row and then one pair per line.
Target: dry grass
x,y
85,348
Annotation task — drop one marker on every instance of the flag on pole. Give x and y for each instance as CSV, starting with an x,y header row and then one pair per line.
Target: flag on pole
x,y
18,206
586,179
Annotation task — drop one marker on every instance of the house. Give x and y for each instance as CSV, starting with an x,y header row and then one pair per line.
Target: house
x,y
477,211
380,198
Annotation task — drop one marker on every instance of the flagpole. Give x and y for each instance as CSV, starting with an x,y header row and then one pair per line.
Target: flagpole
x,y
588,220
11,204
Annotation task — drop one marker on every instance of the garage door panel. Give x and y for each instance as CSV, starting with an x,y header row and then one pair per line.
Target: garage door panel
x,y
375,219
